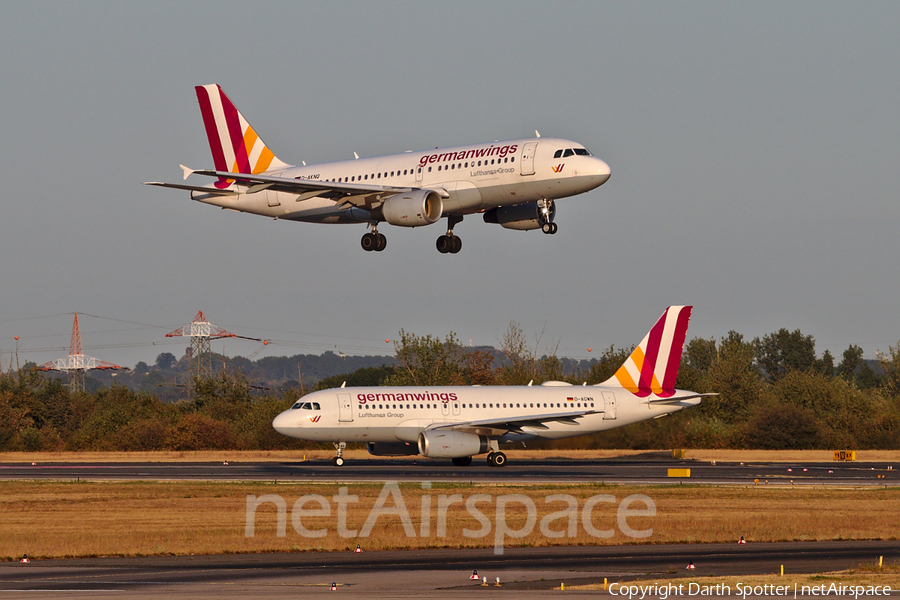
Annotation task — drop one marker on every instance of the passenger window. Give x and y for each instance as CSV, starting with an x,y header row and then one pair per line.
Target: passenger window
x,y
429,169
379,176
513,159
452,166
557,154
568,152
439,168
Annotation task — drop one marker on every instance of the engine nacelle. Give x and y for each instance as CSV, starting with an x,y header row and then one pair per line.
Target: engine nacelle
x,y
446,443
413,209
391,449
522,217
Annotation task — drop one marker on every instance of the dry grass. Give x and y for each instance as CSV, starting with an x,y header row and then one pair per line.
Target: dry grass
x,y
793,456
54,519
866,575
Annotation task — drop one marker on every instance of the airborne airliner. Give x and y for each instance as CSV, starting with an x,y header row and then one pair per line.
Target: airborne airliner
x,y
460,421
514,184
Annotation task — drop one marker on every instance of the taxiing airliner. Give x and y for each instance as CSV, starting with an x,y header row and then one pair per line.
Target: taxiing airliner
x,y
459,422
514,184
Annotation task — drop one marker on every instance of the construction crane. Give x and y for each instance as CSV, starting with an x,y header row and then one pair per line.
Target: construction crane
x,y
76,363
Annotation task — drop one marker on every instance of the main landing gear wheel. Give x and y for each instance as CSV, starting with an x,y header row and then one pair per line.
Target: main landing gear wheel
x,y
549,228
449,244
462,461
496,459
373,241
337,461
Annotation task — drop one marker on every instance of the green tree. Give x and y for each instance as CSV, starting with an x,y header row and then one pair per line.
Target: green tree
x,y
851,360
426,360
783,351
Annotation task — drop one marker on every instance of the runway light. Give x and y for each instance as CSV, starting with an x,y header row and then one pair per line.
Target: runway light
x,y
358,550
25,560
474,575
589,349
17,338
690,566
387,341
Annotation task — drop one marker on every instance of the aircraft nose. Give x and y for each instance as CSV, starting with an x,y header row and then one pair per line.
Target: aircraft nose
x,y
283,423
602,170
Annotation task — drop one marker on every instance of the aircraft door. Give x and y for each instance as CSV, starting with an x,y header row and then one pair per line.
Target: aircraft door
x,y
345,407
445,408
609,406
528,158
419,170
456,407
272,198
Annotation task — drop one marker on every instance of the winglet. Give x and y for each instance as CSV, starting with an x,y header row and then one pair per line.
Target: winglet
x,y
653,366
187,171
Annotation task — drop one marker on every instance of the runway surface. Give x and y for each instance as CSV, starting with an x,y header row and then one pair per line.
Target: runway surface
x,y
523,572
633,470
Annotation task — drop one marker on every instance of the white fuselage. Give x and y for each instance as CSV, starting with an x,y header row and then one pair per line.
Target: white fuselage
x,y
399,414
471,179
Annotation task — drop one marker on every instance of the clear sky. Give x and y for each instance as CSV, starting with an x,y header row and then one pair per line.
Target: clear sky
x,y
753,147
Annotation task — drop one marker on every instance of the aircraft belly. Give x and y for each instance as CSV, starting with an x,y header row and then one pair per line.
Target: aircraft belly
x,y
464,197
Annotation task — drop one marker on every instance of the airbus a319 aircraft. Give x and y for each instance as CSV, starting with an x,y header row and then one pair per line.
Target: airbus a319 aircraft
x,y
514,184
459,422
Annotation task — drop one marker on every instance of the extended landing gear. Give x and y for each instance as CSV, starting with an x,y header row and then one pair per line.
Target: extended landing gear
x,y
373,240
338,460
496,459
450,244
462,461
547,211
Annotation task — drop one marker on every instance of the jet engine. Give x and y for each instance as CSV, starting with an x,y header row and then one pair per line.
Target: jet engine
x,y
446,443
413,209
523,217
391,449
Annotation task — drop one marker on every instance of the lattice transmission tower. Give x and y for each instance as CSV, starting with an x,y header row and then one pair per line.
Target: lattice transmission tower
x,y
201,333
76,363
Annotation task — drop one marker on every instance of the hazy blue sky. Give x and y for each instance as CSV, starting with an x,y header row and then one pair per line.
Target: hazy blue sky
x,y
753,147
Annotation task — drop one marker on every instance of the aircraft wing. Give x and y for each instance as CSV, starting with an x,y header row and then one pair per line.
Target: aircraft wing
x,y
676,399
498,427
363,195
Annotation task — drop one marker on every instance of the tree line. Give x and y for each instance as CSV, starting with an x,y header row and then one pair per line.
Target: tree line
x,y
775,392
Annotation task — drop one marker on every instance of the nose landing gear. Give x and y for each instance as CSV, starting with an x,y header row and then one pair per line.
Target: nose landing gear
x,y
338,460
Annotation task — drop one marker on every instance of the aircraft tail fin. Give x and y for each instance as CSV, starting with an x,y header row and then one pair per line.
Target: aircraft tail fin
x,y
653,366
235,146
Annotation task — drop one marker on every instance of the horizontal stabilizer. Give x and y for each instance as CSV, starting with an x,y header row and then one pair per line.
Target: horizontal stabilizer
x,y
676,399
192,188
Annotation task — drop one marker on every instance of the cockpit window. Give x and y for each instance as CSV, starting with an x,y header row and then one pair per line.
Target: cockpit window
x,y
568,152
558,154
306,406
582,152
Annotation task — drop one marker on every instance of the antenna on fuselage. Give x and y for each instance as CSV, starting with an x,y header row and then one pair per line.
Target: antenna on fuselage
x,y
343,385
537,133
356,156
